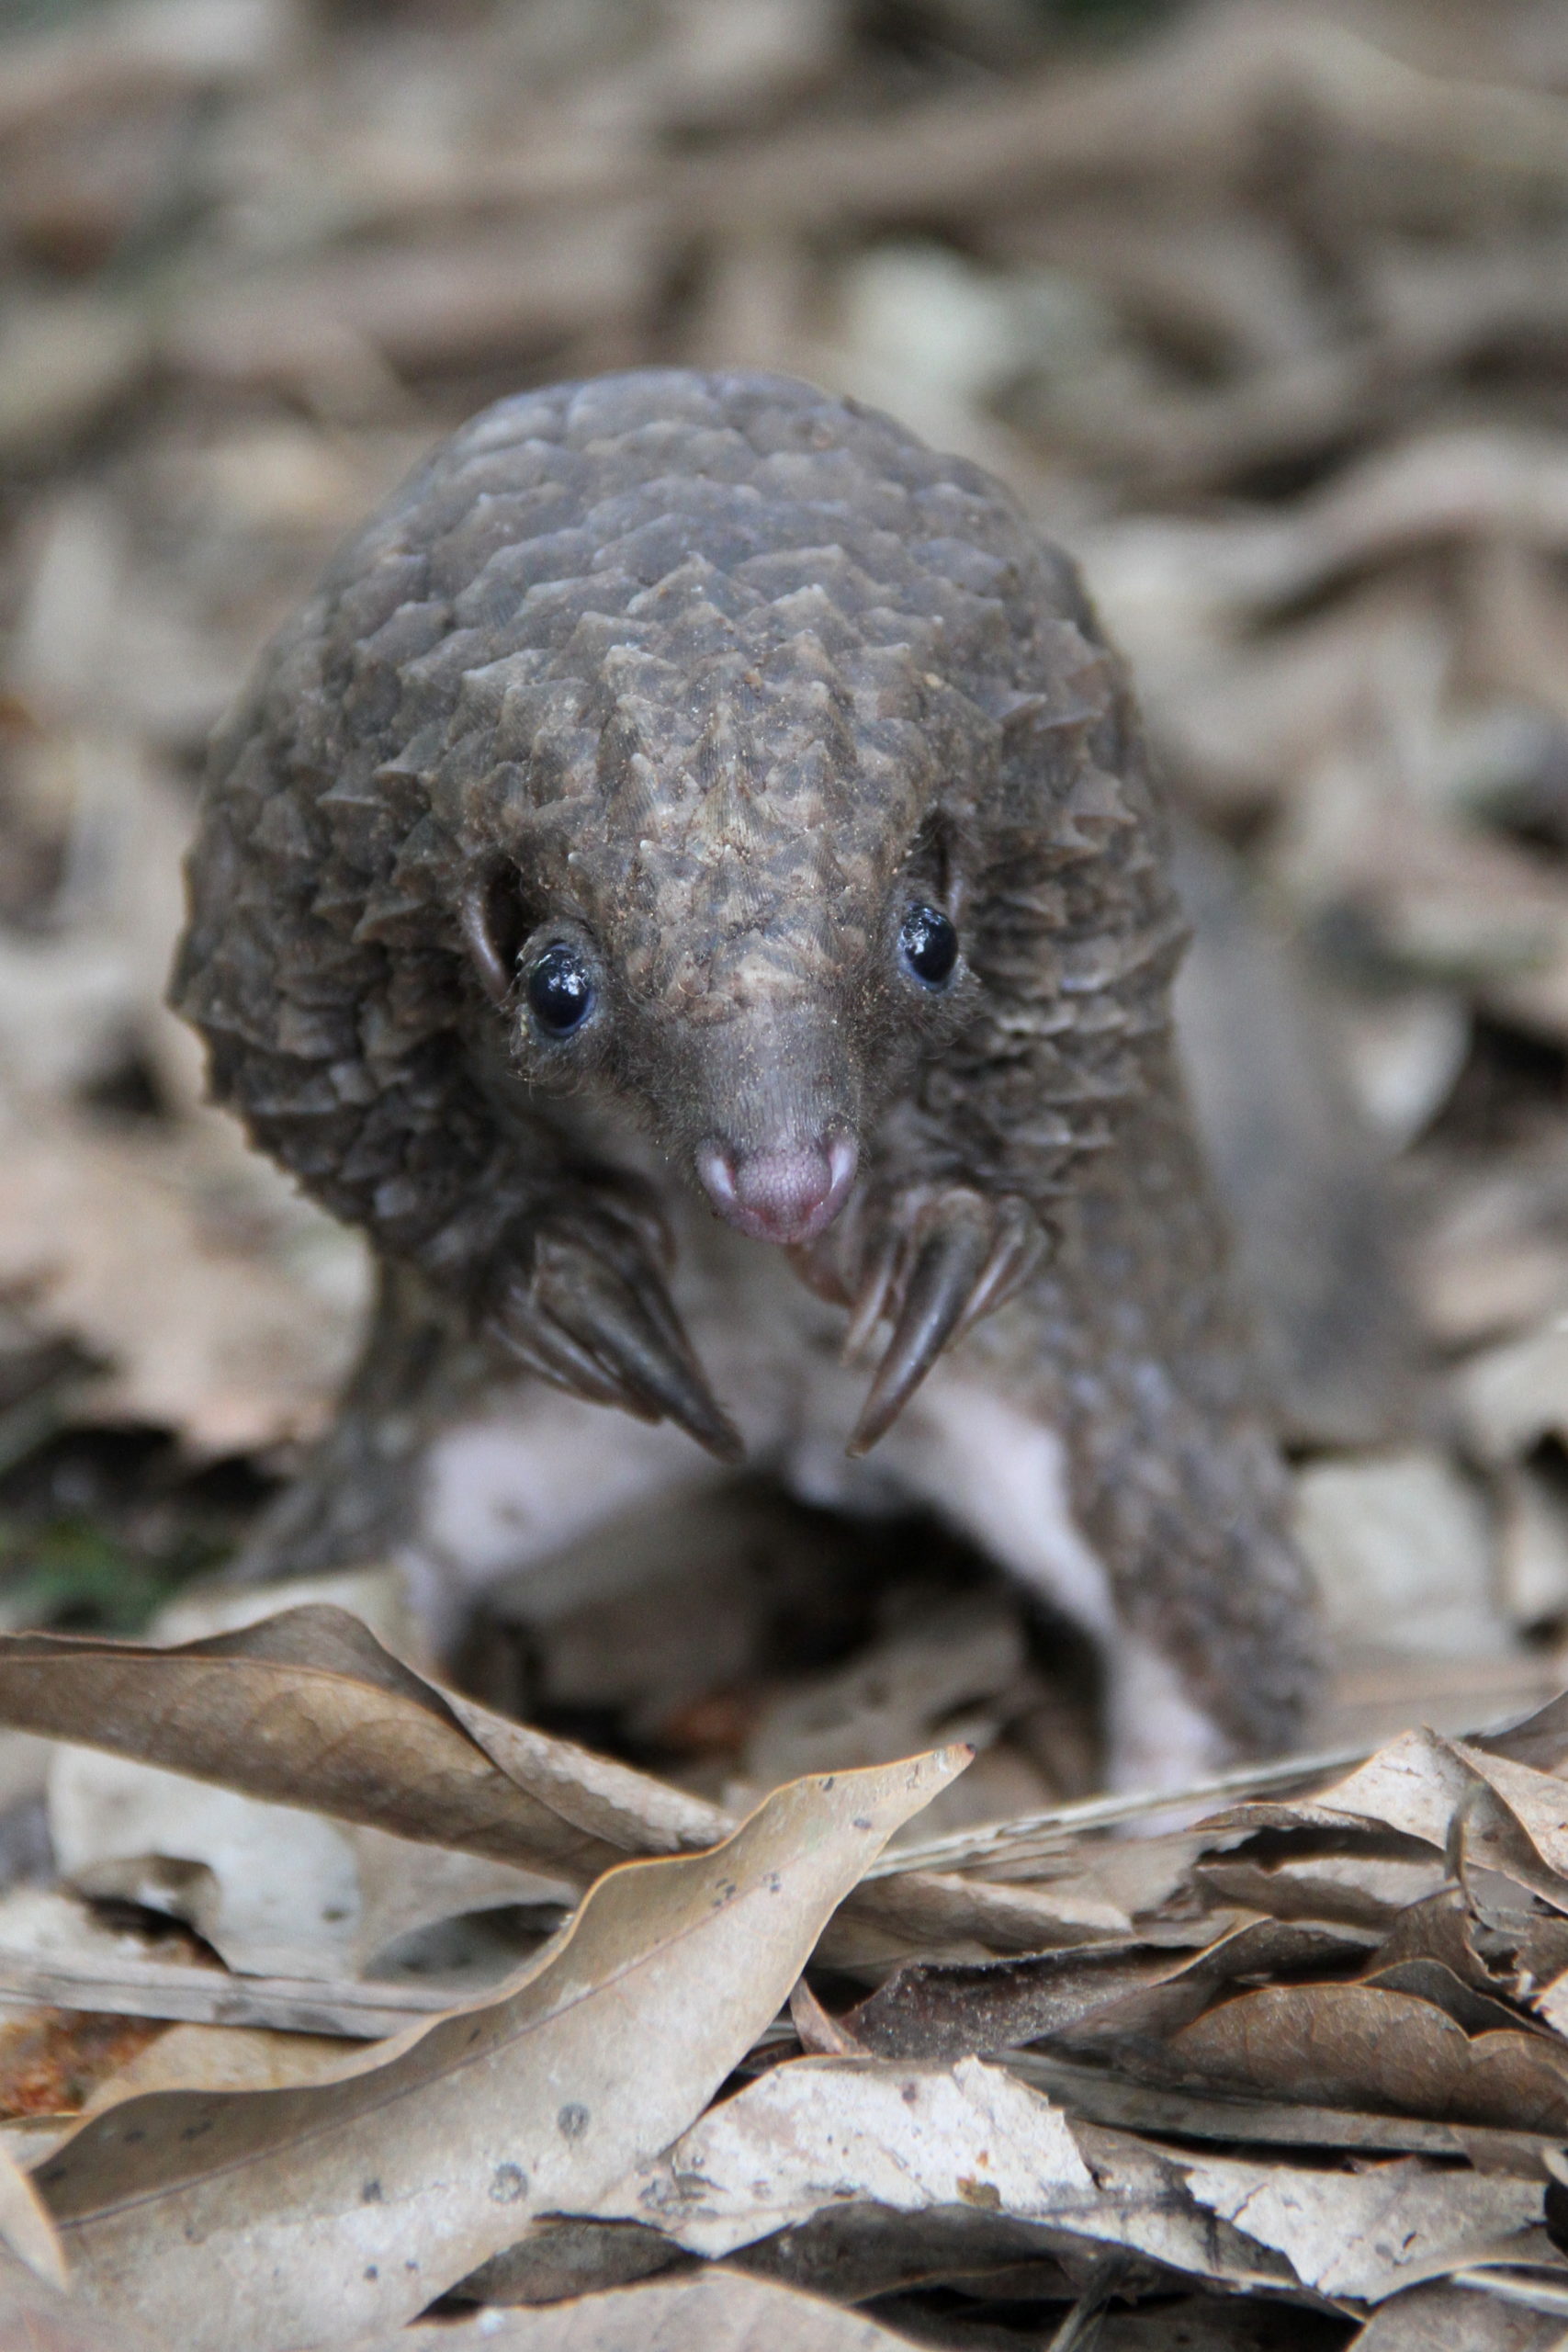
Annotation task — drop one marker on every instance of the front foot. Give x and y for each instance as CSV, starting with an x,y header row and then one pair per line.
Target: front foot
x,y
930,1260
578,1294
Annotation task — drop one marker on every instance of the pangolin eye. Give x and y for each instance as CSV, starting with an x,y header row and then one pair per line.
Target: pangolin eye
x,y
561,994
929,945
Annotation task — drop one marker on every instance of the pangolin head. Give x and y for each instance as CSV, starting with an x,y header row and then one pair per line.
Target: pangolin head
x,y
726,680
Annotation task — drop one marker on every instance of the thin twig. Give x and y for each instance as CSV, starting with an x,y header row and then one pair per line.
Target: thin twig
x,y
1018,1840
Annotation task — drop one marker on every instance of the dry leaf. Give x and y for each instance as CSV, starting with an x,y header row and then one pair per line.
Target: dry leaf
x,y
280,2218
951,2012
220,2058
35,2316
1365,2045
276,1892
1461,2320
1401,1549
559,2256
26,2228
719,2311
307,1709
915,2137
1365,2234
1097,2095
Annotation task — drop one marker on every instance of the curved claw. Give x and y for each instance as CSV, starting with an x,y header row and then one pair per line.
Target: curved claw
x,y
592,1316
974,1254
945,1275
876,1288
1017,1248
555,1356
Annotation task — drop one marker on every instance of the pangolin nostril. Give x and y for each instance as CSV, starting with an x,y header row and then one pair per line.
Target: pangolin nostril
x,y
788,1193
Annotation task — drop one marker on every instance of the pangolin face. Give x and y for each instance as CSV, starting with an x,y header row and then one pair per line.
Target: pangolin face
x,y
755,973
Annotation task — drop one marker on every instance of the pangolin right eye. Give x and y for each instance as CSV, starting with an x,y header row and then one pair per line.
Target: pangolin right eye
x,y
929,945
559,992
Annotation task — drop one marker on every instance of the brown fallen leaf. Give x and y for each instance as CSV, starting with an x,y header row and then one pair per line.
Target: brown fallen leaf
x,y
274,2219
721,2311
307,1709
924,1914
1370,1887
1366,2045
1097,2094
945,2011
561,2256
220,2058
1409,1788
1459,2318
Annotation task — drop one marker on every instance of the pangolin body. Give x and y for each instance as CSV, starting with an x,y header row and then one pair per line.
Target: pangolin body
x,y
689,885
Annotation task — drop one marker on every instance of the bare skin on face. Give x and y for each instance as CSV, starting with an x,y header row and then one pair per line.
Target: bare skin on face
x,y
691,799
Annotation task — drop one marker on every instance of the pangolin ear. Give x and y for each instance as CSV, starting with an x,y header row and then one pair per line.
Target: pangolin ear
x,y
488,918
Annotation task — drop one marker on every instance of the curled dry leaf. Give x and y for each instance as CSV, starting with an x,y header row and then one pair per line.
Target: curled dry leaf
x,y
924,1913
275,2219
1500,1812
307,1709
560,2256
1365,2045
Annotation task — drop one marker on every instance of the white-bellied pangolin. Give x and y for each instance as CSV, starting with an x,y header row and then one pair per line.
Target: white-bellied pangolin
x,y
690,887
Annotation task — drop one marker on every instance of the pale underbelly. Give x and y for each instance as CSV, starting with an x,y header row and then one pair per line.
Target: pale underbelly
x,y
533,1472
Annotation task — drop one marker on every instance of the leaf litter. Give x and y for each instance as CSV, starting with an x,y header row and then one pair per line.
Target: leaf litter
x,y
1263,313
366,2195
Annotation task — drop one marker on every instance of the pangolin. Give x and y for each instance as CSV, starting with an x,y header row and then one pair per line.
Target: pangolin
x,y
689,885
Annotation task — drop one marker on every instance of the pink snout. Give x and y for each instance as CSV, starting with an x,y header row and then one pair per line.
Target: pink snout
x,y
786,1194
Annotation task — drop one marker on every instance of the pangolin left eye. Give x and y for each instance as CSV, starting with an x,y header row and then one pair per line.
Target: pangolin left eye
x,y
559,992
929,945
